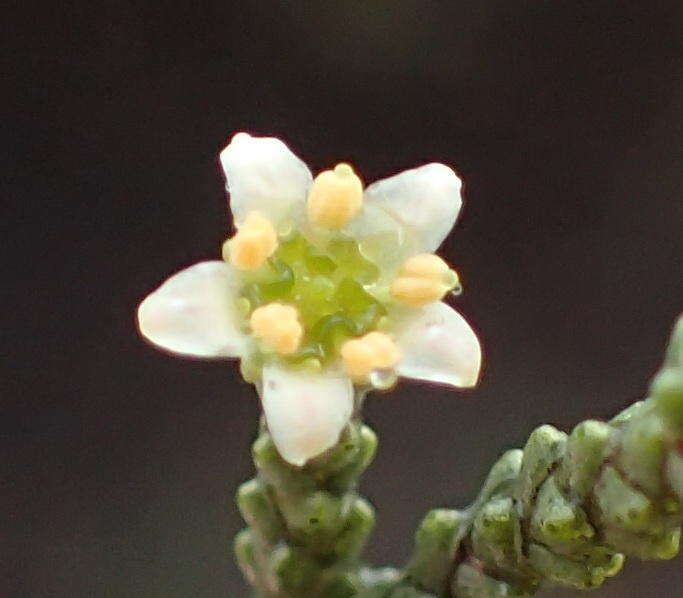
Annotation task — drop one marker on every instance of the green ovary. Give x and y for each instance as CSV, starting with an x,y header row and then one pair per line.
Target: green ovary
x,y
327,286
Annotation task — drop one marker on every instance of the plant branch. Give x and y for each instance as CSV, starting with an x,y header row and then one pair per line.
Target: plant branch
x,y
308,526
567,509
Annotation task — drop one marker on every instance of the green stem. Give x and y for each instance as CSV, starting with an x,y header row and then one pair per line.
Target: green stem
x,y
307,526
567,509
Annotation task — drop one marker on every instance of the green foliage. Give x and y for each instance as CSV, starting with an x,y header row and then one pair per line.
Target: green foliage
x,y
307,526
437,540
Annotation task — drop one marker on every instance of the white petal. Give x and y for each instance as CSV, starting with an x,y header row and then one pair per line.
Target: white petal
x,y
438,345
193,313
376,230
305,412
425,199
263,174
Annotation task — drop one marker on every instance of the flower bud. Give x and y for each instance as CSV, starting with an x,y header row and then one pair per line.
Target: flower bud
x,y
335,197
252,245
278,327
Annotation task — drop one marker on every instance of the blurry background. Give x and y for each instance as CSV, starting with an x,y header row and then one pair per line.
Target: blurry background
x,y
565,120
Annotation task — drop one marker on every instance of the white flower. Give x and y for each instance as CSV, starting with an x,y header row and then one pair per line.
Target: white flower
x,y
325,288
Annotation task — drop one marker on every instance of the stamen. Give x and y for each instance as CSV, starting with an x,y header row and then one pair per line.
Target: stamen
x,y
278,327
343,169
423,279
252,245
335,197
425,265
374,351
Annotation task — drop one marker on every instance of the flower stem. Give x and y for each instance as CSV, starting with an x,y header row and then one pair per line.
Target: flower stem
x,y
307,526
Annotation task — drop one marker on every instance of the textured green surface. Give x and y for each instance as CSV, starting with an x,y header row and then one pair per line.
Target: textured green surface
x,y
326,285
566,510
307,526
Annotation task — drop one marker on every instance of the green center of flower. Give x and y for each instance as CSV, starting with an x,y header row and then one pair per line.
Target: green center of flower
x,y
326,285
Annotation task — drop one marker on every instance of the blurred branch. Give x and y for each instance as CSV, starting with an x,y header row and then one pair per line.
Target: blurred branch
x,y
567,509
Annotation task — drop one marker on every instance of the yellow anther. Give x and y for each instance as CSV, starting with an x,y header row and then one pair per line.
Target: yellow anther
x,y
374,351
423,279
335,197
417,291
425,265
278,327
343,169
252,245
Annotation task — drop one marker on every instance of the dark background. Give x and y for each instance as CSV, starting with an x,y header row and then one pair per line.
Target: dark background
x,y
565,120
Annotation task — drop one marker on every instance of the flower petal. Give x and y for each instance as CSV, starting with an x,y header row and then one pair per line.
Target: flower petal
x,y
425,199
305,411
262,174
376,229
193,313
438,345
